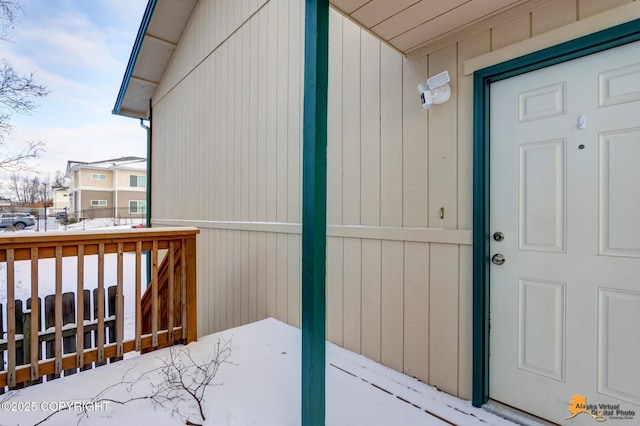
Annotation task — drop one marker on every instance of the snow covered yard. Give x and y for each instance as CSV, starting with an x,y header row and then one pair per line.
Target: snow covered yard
x,y
260,387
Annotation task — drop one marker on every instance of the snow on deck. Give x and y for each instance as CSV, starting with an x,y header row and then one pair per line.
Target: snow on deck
x,y
261,387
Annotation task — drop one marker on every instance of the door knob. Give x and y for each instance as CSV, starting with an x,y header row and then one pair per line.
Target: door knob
x,y
498,259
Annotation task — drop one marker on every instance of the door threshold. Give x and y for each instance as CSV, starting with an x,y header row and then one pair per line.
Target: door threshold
x,y
513,414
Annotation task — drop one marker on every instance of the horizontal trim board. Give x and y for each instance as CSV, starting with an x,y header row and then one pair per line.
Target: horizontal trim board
x,y
389,233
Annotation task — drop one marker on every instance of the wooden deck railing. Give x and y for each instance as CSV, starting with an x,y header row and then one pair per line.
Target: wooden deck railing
x,y
168,310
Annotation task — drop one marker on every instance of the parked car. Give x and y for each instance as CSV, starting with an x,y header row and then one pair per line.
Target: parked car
x,y
61,215
17,220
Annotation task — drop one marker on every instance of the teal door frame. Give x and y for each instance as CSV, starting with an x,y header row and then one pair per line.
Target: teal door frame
x,y
583,46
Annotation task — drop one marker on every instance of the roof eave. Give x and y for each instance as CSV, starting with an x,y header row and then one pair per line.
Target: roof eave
x,y
144,26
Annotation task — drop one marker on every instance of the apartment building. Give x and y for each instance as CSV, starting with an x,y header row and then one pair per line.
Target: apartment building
x,y
108,188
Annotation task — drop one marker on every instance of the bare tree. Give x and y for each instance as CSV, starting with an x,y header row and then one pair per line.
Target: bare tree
x,y
27,190
182,379
18,93
59,180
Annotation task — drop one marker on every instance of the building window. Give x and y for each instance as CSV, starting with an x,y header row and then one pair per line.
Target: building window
x,y
136,181
98,176
137,206
100,203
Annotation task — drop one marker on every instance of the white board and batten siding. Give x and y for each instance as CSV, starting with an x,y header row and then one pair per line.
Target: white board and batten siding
x,y
227,130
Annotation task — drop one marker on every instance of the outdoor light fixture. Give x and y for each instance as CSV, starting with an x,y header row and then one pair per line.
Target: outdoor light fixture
x,y
436,90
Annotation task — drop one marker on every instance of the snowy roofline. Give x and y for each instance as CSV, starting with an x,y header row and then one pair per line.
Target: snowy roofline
x,y
130,162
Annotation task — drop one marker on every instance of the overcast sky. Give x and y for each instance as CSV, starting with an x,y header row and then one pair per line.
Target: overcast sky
x,y
79,49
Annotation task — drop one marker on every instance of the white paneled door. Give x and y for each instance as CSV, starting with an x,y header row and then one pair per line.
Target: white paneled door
x,y
565,238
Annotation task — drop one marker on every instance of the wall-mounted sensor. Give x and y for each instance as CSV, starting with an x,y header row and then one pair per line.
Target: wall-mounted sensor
x,y
436,90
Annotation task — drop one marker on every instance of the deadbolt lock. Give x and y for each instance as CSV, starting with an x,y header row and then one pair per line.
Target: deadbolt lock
x,y
498,236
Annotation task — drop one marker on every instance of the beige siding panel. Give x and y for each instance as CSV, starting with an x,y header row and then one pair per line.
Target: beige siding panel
x,y
253,277
272,97
245,121
511,32
244,277
443,317
253,6
245,9
468,48
371,298
210,157
203,291
414,145
554,16
262,167
443,131
231,145
392,335
334,121
214,308
352,294
294,281
282,112
390,137
237,278
217,139
334,290
224,302
350,123
217,279
588,8
229,278
370,131
237,124
416,310
272,275
236,14
295,98
253,119
282,276
465,325
262,276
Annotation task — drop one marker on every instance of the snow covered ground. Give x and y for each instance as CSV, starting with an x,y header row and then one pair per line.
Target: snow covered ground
x,y
261,387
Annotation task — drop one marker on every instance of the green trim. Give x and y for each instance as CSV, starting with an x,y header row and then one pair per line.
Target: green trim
x,y
314,211
137,45
593,43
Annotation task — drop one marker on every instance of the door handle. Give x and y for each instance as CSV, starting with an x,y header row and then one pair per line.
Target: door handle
x,y
498,259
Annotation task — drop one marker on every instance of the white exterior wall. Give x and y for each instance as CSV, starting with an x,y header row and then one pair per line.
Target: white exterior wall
x,y
227,157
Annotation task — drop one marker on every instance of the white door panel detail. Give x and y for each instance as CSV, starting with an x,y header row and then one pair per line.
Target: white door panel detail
x,y
619,344
541,200
541,103
619,85
619,187
541,327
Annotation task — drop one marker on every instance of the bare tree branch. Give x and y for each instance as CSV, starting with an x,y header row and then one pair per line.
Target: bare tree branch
x,y
18,93
14,162
9,10
179,380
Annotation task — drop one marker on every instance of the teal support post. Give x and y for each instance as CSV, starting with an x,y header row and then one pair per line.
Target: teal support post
x,y
314,211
